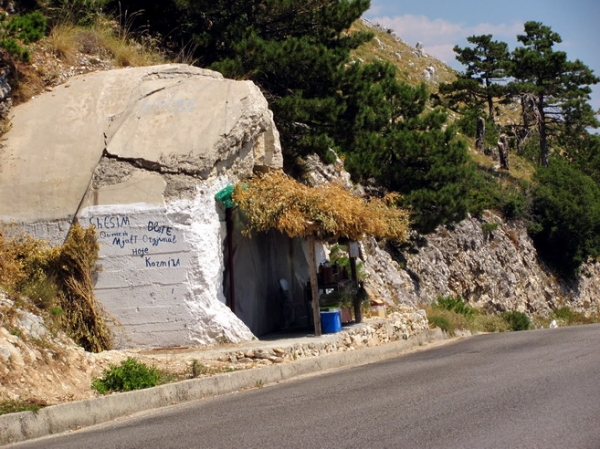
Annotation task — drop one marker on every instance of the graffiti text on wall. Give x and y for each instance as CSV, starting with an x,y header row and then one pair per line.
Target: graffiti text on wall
x,y
110,222
117,231
170,263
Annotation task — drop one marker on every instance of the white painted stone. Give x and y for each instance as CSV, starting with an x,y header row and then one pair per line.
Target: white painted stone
x,y
161,271
139,153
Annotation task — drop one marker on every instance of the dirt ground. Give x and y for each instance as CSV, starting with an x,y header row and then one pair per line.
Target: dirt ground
x,y
44,366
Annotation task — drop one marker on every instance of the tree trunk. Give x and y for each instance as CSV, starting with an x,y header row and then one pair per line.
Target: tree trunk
x,y
314,287
480,139
521,134
490,101
503,152
528,111
544,156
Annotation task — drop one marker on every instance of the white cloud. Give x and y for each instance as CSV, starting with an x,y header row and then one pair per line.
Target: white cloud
x,y
443,52
439,36
502,31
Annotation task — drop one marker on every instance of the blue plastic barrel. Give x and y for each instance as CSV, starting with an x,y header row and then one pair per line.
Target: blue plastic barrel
x,y
331,321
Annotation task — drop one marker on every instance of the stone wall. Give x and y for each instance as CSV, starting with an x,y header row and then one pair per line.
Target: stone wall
x,y
396,326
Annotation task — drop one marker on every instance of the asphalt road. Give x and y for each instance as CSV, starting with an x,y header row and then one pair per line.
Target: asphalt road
x,y
537,389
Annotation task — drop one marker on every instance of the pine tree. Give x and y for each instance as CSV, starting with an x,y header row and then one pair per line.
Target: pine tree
x,y
486,64
566,216
405,148
559,88
299,54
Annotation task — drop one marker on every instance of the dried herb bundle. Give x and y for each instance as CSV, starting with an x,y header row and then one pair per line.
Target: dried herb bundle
x,y
276,201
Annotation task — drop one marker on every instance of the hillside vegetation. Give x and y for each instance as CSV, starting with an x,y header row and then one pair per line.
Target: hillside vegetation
x,y
402,121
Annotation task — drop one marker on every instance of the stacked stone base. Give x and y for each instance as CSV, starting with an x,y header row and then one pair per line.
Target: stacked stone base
x,y
373,332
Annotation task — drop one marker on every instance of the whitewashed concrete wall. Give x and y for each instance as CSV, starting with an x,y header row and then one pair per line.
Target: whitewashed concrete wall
x,y
161,271
119,146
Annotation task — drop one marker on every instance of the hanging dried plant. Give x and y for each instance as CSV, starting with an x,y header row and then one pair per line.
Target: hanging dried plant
x,y
276,201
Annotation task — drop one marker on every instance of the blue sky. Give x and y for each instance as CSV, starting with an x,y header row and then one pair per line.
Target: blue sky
x,y
442,24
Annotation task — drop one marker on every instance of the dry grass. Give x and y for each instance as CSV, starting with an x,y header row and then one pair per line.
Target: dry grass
x,y
451,321
83,317
129,54
102,39
71,49
521,168
64,41
56,279
410,67
21,257
276,201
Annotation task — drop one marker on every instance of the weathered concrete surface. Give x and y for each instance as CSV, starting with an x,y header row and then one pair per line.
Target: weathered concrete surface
x,y
170,118
140,153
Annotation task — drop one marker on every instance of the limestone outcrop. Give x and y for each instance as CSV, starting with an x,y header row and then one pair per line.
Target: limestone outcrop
x,y
140,154
490,262
494,267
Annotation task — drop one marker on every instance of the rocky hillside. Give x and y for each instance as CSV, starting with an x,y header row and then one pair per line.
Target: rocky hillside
x,y
491,262
488,261
495,268
412,63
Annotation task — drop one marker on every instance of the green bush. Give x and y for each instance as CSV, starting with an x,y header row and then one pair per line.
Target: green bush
x,y
442,322
28,28
130,375
21,30
517,321
486,192
514,203
565,224
455,304
15,50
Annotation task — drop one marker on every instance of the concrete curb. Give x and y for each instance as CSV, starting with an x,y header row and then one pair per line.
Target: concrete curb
x,y
16,427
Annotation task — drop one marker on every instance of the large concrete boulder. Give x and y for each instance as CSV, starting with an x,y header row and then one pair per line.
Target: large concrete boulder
x,y
140,153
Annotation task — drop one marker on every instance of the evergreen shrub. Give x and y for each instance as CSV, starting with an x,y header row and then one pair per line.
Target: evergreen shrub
x,y
21,30
129,375
27,28
565,224
517,321
455,304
